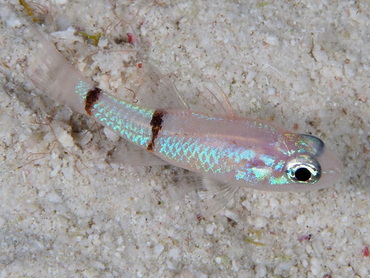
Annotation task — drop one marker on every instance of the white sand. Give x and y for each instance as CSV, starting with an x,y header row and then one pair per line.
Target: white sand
x,y
70,213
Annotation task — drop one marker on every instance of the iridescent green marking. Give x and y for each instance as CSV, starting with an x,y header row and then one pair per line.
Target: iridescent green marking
x,y
279,180
268,160
125,119
241,175
82,89
252,175
261,173
243,154
279,166
221,159
206,117
203,156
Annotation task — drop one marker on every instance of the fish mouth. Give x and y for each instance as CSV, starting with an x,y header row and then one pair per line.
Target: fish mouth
x,y
331,167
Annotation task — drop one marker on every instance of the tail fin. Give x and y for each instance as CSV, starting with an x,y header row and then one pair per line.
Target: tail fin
x,y
51,73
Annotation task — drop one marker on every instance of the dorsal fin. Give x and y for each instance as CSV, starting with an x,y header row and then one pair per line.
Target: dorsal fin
x,y
210,103
155,90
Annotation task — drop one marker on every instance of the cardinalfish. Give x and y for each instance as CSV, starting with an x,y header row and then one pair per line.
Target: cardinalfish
x,y
222,148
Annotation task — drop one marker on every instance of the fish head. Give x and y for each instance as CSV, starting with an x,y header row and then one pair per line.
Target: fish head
x,y
309,165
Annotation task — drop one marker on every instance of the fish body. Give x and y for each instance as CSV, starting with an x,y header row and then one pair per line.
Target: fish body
x,y
239,151
234,151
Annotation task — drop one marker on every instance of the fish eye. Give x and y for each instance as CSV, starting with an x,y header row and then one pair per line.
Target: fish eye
x,y
303,169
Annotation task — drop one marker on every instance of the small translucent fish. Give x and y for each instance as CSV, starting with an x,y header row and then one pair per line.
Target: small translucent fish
x,y
221,149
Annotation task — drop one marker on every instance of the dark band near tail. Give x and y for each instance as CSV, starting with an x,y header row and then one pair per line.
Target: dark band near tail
x,y
92,97
156,124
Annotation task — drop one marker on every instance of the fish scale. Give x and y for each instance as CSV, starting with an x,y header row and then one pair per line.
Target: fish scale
x,y
129,121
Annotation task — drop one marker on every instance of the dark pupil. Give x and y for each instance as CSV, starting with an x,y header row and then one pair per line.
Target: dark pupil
x,y
302,174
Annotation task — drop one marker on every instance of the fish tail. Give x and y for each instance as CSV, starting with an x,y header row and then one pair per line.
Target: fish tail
x,y
55,76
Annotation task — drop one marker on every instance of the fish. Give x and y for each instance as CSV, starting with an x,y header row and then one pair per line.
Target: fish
x,y
219,148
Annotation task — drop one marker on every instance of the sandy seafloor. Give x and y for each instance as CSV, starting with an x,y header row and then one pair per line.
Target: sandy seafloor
x,y
68,212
